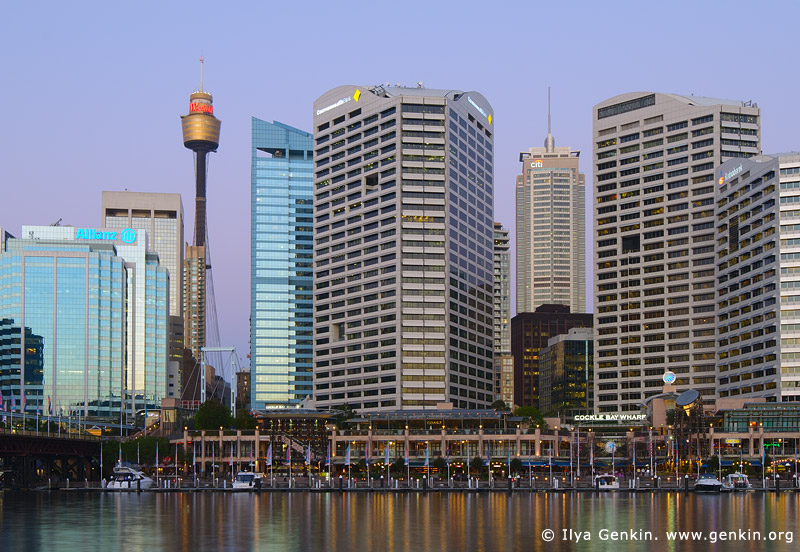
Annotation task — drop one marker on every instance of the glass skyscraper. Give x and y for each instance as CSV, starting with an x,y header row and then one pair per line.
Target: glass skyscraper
x,y
281,310
84,312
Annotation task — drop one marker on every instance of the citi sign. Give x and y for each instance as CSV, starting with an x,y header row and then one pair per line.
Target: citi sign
x,y
196,107
537,164
126,236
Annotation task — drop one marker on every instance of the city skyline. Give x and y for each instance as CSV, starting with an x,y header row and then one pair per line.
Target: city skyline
x,y
109,71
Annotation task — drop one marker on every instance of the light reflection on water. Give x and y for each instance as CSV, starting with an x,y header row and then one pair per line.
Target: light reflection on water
x,y
401,522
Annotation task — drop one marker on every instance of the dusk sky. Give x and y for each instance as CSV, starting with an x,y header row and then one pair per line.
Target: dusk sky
x,y
92,91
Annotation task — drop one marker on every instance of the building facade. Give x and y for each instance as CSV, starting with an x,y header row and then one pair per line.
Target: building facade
x,y
281,266
504,364
530,333
758,278
85,312
565,372
403,248
551,232
161,215
655,159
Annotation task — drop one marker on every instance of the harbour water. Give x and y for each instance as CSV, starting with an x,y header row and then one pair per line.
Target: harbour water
x,y
67,521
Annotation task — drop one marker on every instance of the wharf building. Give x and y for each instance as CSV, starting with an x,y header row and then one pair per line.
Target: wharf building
x,y
565,374
281,266
504,362
530,333
551,232
758,278
403,275
161,215
85,312
655,159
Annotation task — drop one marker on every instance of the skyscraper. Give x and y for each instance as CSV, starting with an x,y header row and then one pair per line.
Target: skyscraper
x,y
161,215
504,363
403,283
565,374
551,234
201,135
758,276
655,157
530,333
94,305
281,265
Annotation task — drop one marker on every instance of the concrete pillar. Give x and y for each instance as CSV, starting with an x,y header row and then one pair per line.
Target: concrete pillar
x,y
480,441
538,442
517,440
750,441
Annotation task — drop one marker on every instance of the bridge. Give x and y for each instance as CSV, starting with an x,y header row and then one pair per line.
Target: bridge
x,y
28,460
37,450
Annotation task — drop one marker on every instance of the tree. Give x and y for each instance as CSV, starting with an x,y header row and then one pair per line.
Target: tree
x,y
212,414
398,466
516,465
439,464
344,413
476,465
244,420
713,463
531,413
499,405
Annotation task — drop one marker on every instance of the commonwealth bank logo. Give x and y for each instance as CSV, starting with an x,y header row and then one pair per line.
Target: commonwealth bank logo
x,y
357,95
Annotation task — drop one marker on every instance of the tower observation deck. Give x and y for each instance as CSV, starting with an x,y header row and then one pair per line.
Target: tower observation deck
x,y
201,135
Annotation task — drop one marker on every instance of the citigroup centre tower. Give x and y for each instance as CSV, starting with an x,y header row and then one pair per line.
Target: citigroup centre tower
x,y
83,322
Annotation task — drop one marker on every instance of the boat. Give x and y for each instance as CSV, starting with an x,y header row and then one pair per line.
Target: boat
x,y
247,480
707,483
736,482
126,477
606,482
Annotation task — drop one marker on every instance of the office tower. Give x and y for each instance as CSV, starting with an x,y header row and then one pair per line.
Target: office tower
x,y
530,333
194,299
551,233
403,248
201,135
758,276
161,216
504,364
89,313
655,157
565,374
281,265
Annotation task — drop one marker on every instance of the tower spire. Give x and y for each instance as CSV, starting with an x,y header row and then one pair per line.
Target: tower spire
x,y
548,96
549,141
201,81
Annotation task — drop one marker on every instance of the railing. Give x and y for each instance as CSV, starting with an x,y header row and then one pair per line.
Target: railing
x,y
28,432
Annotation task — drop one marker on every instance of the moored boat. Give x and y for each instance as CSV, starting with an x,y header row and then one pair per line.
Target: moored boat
x,y
247,480
606,482
736,482
128,478
707,483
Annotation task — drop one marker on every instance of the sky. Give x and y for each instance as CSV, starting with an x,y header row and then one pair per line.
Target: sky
x,y
92,91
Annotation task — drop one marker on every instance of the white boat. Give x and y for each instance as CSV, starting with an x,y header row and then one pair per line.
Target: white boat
x,y
736,482
606,482
707,483
125,477
246,480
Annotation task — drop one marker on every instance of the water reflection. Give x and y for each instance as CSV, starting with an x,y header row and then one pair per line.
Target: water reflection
x,y
190,522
